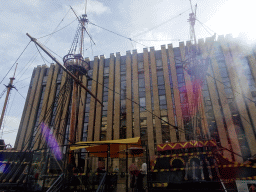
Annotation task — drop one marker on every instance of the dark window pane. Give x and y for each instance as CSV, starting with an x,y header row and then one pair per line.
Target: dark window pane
x,y
160,73
179,70
180,78
159,63
162,100
141,83
160,80
140,65
123,78
143,101
123,68
142,94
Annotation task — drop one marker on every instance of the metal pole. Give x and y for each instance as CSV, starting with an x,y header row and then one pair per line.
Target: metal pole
x,y
126,168
148,164
108,157
73,121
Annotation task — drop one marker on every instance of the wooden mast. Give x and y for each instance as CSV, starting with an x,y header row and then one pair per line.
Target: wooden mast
x,y
75,104
9,87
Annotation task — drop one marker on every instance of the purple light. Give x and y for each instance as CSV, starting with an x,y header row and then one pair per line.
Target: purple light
x,y
51,141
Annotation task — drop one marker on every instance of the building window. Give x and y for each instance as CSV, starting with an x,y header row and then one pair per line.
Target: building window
x,y
143,102
180,78
106,70
141,83
159,63
140,66
160,80
123,68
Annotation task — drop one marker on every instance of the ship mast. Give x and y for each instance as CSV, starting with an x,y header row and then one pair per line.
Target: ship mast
x,y
75,64
192,21
9,88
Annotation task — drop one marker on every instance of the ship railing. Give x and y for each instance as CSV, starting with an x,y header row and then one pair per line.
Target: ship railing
x,y
102,184
57,184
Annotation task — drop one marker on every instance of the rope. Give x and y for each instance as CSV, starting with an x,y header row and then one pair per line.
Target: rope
x,y
15,62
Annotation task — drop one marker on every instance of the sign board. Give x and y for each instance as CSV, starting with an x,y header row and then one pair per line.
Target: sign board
x,y
246,185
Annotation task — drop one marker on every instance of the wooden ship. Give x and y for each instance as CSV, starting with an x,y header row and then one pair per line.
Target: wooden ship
x,y
196,165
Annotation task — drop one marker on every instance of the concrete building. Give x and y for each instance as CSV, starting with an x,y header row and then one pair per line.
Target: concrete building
x,y
143,93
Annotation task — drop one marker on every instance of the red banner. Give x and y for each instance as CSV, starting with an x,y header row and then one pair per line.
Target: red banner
x,y
183,145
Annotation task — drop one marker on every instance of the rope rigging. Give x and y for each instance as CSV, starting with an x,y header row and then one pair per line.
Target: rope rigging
x,y
15,62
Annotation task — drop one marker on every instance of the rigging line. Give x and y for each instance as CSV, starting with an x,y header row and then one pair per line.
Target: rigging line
x,y
15,62
85,6
91,46
44,117
24,86
205,26
11,103
174,126
35,55
230,87
41,55
163,40
53,52
117,34
83,25
2,94
160,24
58,30
22,80
250,123
61,99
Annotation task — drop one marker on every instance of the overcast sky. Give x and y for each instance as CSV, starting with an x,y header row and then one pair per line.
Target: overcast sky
x,y
132,19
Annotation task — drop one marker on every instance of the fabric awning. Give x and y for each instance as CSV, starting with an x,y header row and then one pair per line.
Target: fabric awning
x,y
117,148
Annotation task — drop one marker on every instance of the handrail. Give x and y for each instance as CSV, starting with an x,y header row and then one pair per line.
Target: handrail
x,y
102,182
57,180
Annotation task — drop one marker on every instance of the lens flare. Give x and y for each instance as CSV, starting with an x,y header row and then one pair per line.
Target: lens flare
x,y
51,141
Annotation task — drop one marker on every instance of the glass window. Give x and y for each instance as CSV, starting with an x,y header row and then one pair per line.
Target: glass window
x,y
143,101
141,76
87,108
90,73
106,70
180,78
162,99
123,78
140,65
142,94
123,104
179,70
106,80
229,92
161,91
85,127
161,87
159,63
123,68
183,97
224,72
104,113
105,98
141,83
90,82
160,80
184,109
163,107
105,105
160,73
